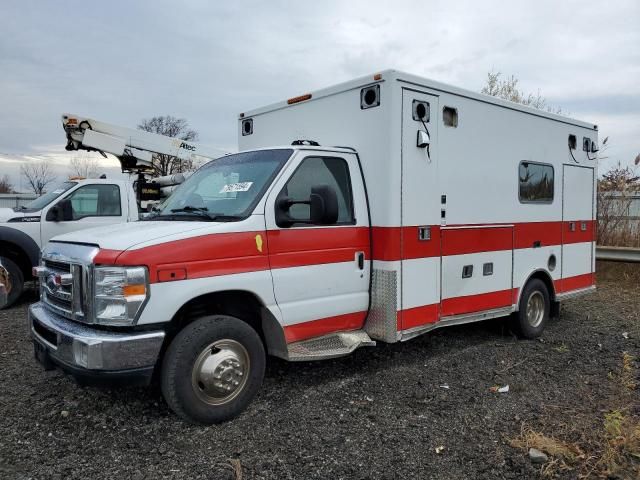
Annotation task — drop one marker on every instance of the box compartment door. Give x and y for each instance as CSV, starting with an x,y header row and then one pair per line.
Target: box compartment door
x,y
578,228
477,269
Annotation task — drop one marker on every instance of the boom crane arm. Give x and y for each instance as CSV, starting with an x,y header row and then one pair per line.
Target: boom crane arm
x,y
133,148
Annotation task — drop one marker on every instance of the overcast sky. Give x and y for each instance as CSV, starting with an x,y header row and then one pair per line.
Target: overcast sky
x,y
120,61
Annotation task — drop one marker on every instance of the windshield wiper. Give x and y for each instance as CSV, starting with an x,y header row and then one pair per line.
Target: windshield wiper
x,y
189,208
193,211
222,217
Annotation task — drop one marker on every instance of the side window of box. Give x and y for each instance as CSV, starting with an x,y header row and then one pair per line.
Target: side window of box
x,y
535,182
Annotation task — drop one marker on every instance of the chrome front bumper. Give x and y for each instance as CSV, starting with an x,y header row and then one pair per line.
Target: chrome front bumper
x,y
82,350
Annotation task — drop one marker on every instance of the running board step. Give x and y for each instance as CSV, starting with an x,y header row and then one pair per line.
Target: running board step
x,y
329,346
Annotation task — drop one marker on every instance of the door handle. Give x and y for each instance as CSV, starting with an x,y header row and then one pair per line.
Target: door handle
x,y
360,260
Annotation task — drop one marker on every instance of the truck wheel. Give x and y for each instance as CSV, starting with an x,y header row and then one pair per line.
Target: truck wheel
x,y
212,369
16,281
531,318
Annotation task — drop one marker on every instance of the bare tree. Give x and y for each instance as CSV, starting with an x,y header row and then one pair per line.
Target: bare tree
x,y
5,185
38,175
171,127
82,165
507,89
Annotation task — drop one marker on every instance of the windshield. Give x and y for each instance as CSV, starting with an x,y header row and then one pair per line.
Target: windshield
x,y
44,200
227,188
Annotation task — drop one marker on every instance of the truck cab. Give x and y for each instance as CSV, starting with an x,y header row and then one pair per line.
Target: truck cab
x,y
256,252
70,206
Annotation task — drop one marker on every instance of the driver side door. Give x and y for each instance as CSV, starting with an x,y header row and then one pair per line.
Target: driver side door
x,y
93,205
320,272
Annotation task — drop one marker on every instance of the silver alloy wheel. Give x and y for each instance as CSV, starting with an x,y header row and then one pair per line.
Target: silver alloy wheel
x,y
220,372
535,309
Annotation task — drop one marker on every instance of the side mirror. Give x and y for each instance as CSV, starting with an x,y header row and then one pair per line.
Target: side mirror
x,y
423,139
60,212
323,208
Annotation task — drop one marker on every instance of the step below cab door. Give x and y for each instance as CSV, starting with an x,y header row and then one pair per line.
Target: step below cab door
x,y
320,271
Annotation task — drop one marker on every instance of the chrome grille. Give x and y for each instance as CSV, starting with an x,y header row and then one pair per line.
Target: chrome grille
x,y
75,261
66,299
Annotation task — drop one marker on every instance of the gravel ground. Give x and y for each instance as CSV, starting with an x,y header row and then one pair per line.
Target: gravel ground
x,y
379,413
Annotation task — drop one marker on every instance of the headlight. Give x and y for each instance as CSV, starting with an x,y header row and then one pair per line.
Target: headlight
x,y
119,293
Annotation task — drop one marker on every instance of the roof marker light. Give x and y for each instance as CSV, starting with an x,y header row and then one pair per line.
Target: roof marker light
x,y
377,76
299,99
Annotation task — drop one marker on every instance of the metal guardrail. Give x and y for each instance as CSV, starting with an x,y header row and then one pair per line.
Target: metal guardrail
x,y
618,254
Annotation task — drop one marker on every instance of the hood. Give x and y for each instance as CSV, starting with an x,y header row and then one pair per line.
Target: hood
x,y
7,213
123,236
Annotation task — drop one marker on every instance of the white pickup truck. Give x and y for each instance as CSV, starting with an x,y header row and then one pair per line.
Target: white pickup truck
x,y
72,205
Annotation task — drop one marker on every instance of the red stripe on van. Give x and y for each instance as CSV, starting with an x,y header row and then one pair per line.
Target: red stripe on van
x,y
426,314
477,303
569,284
324,326
459,241
227,253
387,242
544,234
578,232
203,256
414,247
417,316
300,247
398,243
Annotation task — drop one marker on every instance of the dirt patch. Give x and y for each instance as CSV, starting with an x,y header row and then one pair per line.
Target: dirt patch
x,y
383,412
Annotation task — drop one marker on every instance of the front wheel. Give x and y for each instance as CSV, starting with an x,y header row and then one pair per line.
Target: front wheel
x,y
533,313
14,283
212,369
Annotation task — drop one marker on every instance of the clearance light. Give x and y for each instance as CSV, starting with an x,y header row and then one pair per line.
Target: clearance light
x,y
72,121
299,99
377,76
132,290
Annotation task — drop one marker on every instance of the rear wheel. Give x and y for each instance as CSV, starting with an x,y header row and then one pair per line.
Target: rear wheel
x,y
15,283
213,369
533,313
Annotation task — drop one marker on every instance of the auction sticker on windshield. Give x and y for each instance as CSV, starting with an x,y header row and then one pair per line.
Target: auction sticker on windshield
x,y
236,187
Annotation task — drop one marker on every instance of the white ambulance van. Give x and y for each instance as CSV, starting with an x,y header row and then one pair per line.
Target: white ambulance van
x,y
391,205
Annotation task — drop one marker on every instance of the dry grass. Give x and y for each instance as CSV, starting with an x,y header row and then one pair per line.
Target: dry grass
x,y
564,456
621,447
618,272
235,466
625,234
628,376
611,451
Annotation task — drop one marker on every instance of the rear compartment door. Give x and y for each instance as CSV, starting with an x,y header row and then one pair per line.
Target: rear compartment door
x,y
321,273
477,269
578,227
